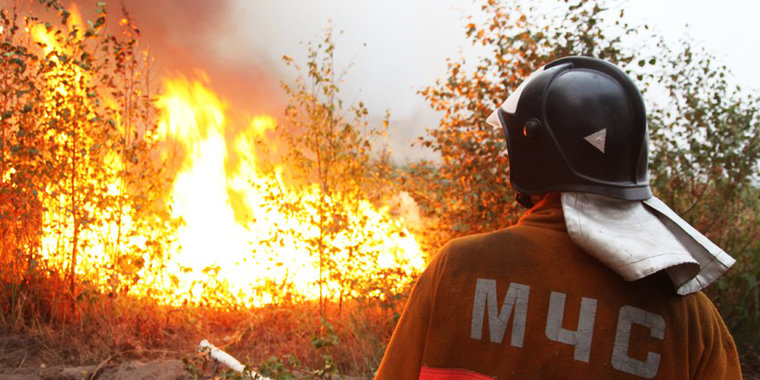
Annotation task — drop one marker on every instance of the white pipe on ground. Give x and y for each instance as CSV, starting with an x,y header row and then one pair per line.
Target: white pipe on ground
x,y
228,360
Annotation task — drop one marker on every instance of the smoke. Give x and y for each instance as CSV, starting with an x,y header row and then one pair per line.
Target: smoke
x,y
407,208
186,37
390,49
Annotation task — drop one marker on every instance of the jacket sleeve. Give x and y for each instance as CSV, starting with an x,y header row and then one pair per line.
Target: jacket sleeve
x,y
404,355
719,359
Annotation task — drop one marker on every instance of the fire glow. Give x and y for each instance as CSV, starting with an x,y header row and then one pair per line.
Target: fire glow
x,y
233,245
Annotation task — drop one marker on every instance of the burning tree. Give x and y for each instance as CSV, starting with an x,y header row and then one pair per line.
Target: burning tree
x,y
76,125
359,251
252,232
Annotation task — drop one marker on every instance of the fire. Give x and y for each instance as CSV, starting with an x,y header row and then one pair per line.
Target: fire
x,y
55,236
216,244
237,244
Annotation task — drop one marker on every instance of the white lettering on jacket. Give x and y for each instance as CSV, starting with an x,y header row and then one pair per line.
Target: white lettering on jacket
x,y
515,305
580,338
627,316
485,297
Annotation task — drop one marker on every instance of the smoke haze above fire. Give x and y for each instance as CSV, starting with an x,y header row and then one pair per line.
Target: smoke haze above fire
x,y
396,47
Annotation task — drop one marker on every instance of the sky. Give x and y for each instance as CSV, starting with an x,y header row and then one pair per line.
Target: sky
x,y
396,47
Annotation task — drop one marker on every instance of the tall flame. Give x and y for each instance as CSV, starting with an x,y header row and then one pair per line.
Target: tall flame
x,y
215,243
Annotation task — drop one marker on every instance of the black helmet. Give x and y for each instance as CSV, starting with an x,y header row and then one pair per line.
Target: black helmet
x,y
577,124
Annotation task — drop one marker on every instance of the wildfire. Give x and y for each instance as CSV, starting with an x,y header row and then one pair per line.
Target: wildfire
x,y
236,244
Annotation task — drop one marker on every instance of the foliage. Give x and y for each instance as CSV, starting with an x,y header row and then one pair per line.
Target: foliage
x,y
276,369
327,338
705,162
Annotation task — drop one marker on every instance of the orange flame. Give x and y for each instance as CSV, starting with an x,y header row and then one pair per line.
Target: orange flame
x,y
214,241
54,237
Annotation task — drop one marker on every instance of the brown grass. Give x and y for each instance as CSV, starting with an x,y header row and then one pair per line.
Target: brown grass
x,y
37,314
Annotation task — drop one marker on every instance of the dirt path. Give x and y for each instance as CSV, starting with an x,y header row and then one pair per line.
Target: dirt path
x,y
153,370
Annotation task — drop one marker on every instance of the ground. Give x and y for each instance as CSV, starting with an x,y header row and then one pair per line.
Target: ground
x,y
154,370
23,358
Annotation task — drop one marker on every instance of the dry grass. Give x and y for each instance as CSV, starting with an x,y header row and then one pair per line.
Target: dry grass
x,y
37,314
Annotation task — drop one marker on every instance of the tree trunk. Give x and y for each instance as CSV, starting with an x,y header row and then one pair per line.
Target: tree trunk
x,y
75,237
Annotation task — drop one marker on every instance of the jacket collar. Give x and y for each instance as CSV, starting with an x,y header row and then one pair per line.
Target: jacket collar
x,y
546,214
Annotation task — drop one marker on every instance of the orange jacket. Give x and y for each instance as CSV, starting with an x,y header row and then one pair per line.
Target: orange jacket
x,y
526,303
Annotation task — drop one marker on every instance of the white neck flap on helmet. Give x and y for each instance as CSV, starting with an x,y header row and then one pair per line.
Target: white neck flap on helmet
x,y
639,238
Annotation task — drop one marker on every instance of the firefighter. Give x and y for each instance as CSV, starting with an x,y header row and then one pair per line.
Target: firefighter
x,y
598,280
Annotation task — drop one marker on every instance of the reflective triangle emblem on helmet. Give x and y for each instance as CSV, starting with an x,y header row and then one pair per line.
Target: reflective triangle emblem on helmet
x,y
597,139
